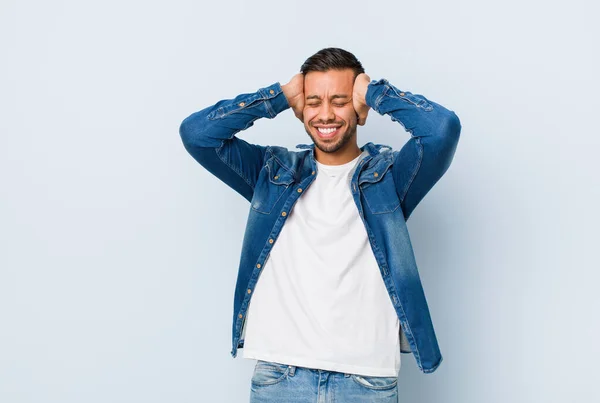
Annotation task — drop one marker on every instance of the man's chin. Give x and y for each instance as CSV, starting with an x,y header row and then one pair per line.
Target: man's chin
x,y
329,146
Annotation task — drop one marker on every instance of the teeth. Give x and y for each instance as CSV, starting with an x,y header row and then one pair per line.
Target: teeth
x,y
326,131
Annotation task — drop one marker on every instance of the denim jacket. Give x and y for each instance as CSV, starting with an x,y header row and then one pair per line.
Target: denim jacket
x,y
386,187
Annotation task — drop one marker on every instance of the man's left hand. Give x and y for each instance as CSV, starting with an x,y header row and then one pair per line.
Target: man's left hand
x,y
358,98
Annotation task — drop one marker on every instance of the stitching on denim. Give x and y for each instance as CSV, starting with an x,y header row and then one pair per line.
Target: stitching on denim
x,y
269,151
393,286
430,370
281,182
274,203
416,170
283,376
417,101
218,150
418,354
380,97
357,379
270,110
385,212
366,198
381,177
253,104
370,184
211,115
283,165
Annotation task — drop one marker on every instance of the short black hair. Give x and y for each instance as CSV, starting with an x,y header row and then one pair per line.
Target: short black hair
x,y
332,59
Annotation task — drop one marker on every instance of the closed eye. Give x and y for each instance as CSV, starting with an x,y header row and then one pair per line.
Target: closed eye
x,y
335,104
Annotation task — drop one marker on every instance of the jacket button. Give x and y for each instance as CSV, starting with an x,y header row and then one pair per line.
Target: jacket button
x,y
375,174
271,240
276,177
283,213
240,316
299,190
313,172
402,94
258,265
249,291
242,104
271,92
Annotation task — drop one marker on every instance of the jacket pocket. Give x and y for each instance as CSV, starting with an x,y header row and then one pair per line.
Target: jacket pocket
x,y
273,181
380,193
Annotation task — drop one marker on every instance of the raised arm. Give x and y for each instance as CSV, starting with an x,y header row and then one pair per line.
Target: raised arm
x,y
426,156
209,136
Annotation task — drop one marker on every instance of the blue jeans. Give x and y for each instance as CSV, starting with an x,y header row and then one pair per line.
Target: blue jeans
x,y
281,383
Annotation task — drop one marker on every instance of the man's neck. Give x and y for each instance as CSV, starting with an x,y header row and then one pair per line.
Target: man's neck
x,y
337,158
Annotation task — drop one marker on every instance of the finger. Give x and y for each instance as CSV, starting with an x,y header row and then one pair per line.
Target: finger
x,y
363,120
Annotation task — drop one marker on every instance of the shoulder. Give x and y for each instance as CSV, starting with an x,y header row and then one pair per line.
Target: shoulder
x,y
290,159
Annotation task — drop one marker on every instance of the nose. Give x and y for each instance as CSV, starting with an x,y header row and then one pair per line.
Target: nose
x,y
326,113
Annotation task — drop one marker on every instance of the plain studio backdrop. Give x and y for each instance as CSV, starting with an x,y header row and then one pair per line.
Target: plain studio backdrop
x,y
119,252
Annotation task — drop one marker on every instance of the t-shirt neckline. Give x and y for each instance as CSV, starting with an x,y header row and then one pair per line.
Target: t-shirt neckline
x,y
340,167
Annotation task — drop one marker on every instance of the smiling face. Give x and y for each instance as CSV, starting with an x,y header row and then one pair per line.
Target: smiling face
x,y
329,116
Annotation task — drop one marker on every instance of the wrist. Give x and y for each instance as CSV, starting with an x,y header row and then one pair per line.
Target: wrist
x,y
375,91
273,95
286,91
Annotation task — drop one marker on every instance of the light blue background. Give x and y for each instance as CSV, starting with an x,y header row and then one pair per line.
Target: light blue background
x,y
119,253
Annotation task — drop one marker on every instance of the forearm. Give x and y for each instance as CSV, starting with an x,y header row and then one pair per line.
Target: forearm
x,y
215,124
417,114
209,136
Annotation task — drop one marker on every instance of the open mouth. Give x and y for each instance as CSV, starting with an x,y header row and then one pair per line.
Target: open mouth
x,y
328,132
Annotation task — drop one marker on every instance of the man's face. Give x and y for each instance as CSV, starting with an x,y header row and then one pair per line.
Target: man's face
x,y
327,105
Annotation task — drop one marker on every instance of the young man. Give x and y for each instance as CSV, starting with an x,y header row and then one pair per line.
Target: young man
x,y
339,296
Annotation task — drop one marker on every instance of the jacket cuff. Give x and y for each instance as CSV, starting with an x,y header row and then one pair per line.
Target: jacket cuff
x,y
275,99
375,92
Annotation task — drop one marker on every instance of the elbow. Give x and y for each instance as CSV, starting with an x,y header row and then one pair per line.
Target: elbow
x,y
197,131
450,128
450,135
187,131
194,130
453,126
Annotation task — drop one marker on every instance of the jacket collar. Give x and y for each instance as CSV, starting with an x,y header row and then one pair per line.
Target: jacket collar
x,y
373,149
380,164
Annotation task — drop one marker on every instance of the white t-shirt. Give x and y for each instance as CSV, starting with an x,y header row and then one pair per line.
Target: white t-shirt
x,y
320,301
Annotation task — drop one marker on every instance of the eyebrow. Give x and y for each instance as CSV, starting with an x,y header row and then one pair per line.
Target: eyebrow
x,y
332,97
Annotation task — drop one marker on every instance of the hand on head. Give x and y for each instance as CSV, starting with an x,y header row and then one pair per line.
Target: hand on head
x,y
294,93
359,91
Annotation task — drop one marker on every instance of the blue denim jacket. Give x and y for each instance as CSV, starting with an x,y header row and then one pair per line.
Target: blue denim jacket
x,y
386,186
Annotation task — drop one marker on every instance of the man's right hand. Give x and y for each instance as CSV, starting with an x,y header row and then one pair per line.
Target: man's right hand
x,y
294,93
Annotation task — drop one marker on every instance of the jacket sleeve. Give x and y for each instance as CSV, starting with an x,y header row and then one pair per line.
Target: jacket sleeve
x,y
426,156
209,136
